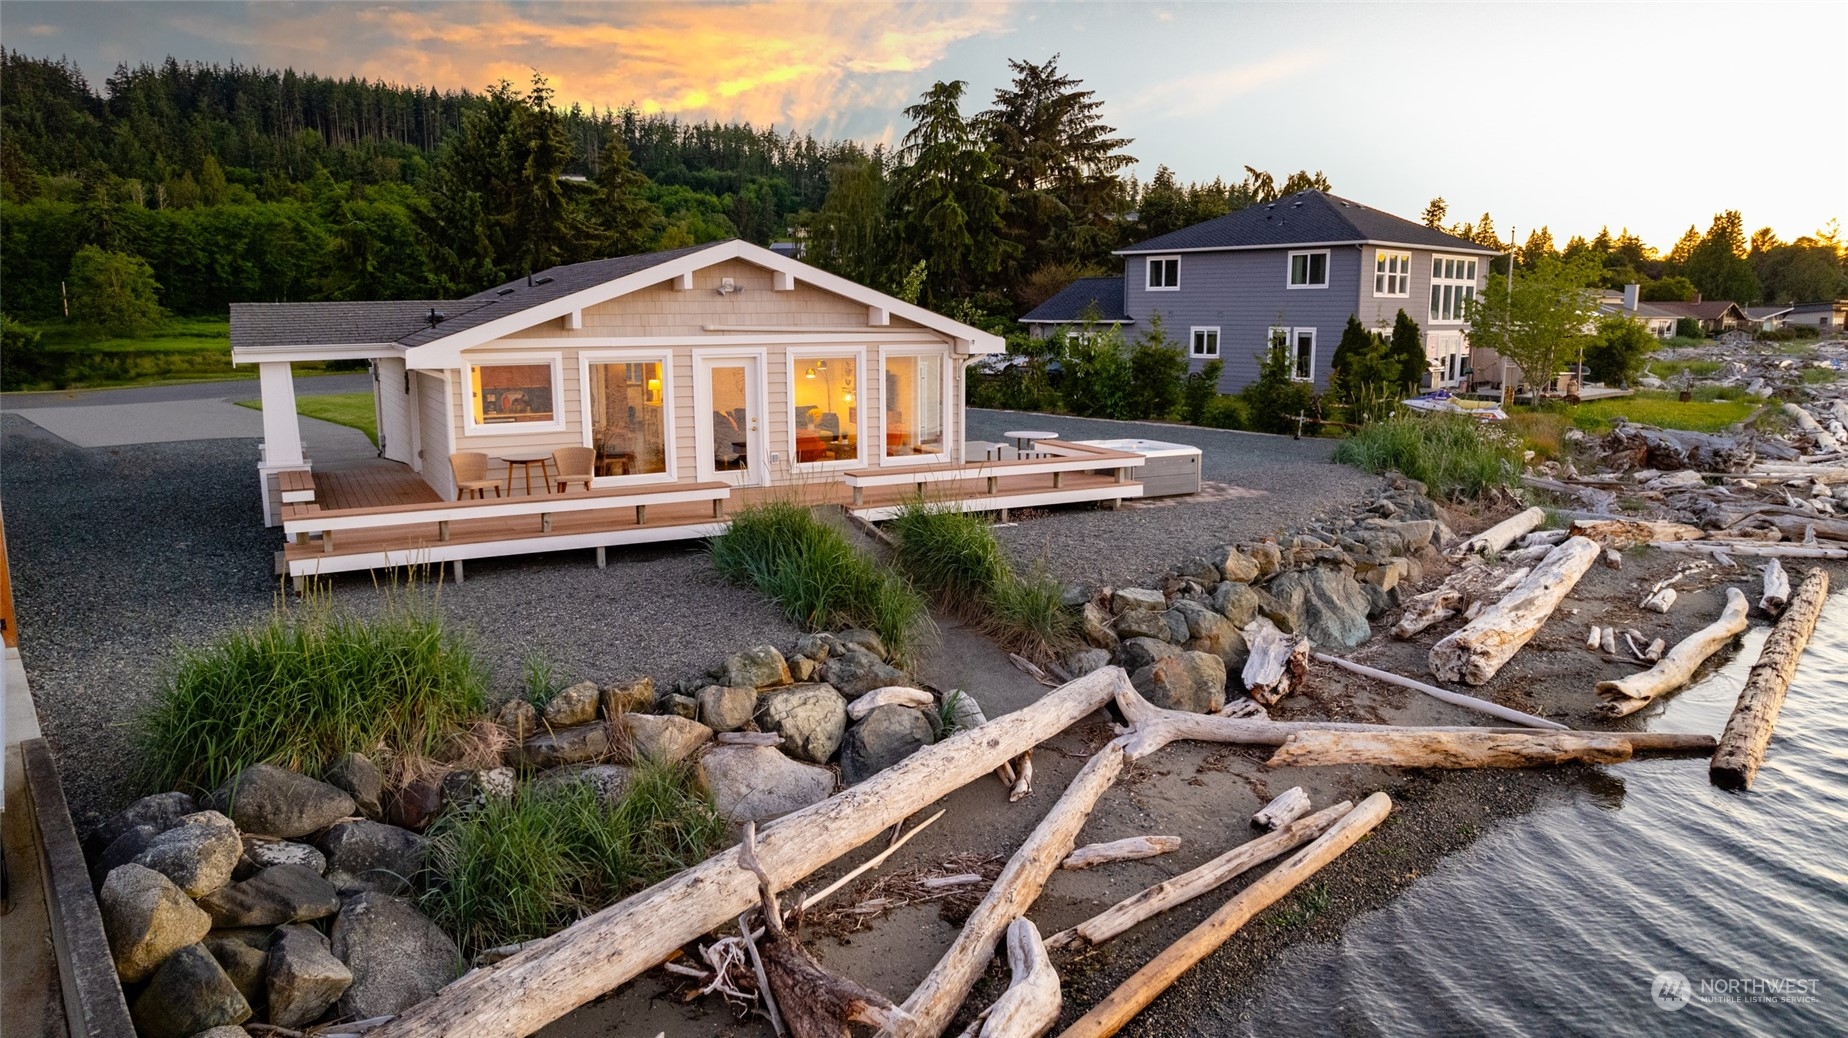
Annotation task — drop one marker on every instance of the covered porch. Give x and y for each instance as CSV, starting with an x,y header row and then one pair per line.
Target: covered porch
x,y
386,516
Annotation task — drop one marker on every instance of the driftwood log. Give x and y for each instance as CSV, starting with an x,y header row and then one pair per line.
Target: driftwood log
x,y
1662,601
1476,652
889,695
1432,607
1624,533
593,956
1134,994
1498,537
1760,549
1154,728
1631,693
1277,664
1810,427
1748,730
1450,749
1288,806
1127,913
931,1007
813,1001
1777,589
1030,1005
1133,848
1453,698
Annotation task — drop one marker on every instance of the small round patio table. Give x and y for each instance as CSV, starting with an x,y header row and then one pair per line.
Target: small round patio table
x,y
526,460
1024,437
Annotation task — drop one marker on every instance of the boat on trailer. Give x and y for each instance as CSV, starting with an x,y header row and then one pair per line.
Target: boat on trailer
x,y
1443,401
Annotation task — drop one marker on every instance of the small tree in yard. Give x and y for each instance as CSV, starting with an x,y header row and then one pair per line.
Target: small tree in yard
x,y
1408,350
1097,374
1542,319
1200,390
1616,355
1364,373
1272,403
1156,370
113,291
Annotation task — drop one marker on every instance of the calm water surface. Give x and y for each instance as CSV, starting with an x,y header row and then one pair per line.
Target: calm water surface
x,y
1560,922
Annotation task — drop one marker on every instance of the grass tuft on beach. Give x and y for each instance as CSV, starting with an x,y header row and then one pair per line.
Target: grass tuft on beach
x,y
954,556
1455,456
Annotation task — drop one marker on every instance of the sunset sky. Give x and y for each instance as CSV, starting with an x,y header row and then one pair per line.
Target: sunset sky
x,y
1573,115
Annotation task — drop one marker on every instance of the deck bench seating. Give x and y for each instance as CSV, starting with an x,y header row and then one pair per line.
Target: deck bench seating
x,y
1054,456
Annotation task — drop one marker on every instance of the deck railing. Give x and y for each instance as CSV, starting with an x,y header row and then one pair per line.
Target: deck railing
x,y
1056,457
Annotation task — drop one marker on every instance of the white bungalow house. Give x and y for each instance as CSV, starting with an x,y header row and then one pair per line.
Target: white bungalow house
x,y
696,378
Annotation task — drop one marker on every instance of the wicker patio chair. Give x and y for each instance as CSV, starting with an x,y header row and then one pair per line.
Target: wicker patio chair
x,y
471,471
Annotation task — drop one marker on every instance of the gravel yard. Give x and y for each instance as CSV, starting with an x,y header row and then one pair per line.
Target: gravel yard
x,y
1268,483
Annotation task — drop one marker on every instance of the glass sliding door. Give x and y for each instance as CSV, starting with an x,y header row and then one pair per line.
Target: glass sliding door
x,y
914,406
824,395
628,416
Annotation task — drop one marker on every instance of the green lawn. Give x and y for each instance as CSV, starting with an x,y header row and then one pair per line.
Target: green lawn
x,y
1712,409
353,410
174,335
180,349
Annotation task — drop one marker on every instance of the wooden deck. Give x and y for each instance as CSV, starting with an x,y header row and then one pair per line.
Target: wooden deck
x,y
450,532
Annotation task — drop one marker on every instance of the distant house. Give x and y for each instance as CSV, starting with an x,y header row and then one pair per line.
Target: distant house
x,y
1659,321
1766,318
1296,268
1827,317
1714,318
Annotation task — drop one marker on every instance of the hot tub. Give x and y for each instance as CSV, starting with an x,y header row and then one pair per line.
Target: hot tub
x,y
1170,468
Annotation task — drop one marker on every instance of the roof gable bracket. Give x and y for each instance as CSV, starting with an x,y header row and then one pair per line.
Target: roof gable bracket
x,y
574,320
783,281
683,282
878,316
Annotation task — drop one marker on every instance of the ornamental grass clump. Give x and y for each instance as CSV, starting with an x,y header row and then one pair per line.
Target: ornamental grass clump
x,y
954,556
307,686
809,568
515,869
1457,457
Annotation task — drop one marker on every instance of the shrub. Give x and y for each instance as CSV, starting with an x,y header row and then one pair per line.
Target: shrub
x,y
954,556
1689,328
302,689
515,869
1454,455
1224,412
1157,370
1097,374
810,569
1200,390
113,291
1272,403
1616,355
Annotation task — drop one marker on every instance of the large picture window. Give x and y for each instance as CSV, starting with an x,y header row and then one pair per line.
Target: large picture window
x,y
1392,273
1453,288
514,396
826,401
1309,269
628,416
914,406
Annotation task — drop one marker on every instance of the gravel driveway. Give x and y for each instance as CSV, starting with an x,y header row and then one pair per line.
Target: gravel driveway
x,y
1265,483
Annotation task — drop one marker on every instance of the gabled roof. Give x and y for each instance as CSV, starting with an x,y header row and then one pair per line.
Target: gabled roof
x,y
1705,311
1821,306
1762,313
1075,299
1642,310
1305,218
302,331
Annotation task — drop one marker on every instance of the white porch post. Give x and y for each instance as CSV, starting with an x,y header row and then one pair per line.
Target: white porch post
x,y
282,430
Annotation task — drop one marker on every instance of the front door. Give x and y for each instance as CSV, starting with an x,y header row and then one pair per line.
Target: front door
x,y
729,419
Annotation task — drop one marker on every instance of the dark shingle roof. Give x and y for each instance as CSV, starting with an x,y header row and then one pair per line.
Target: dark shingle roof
x,y
1307,217
1759,313
406,321
1707,311
1074,299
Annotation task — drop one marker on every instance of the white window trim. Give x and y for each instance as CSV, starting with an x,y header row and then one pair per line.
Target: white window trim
x,y
1289,268
666,359
754,475
1193,349
795,356
472,428
1405,273
1149,269
1438,283
1289,343
887,353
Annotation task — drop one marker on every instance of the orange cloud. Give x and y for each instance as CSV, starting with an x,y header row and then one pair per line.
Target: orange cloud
x,y
792,64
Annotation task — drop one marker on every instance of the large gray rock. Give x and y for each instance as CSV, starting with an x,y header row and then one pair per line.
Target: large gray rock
x,y
162,811
856,672
726,708
147,918
1094,623
1200,570
278,894
1190,681
1236,602
1083,662
367,855
1238,567
198,855
865,641
634,697
561,746
1143,598
1140,652
662,738
397,956
574,705
1210,632
818,646
760,666
753,783
244,956
122,850
1143,623
189,993
810,718
265,800
359,777
304,977
1287,615
1418,533
1267,556
609,781
1331,604
1380,542
882,738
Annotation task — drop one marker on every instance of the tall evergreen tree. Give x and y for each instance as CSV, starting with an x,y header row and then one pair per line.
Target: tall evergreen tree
x,y
945,210
848,236
1718,265
1408,352
1435,213
629,221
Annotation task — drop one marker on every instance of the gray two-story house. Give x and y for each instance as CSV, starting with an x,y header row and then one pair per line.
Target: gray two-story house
x,y
1296,268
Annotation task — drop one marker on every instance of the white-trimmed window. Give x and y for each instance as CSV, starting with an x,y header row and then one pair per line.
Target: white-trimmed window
x,y
1392,273
515,394
1453,288
629,415
824,395
916,406
1309,269
1300,342
1164,274
1205,342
